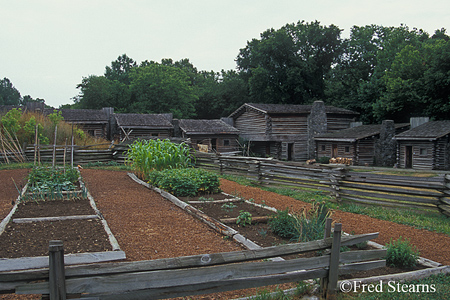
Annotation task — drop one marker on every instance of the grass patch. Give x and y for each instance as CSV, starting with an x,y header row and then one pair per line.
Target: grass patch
x,y
14,166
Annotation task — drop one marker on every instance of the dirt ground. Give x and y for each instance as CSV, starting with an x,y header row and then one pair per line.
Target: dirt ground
x,y
149,227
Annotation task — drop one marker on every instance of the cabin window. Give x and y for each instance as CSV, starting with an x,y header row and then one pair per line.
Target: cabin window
x,y
423,151
347,149
226,142
155,134
323,148
91,132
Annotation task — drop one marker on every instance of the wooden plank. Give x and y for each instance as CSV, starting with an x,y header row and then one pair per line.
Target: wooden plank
x,y
415,200
63,218
387,203
389,189
169,278
190,261
37,262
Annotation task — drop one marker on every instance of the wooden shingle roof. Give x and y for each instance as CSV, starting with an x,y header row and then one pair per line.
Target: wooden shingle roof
x,y
355,133
428,131
288,109
82,115
190,126
143,121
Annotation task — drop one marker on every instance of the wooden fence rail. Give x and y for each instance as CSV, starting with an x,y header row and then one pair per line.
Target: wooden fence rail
x,y
423,193
198,274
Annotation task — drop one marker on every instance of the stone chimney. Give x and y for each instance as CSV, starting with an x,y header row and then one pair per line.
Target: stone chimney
x,y
317,124
385,147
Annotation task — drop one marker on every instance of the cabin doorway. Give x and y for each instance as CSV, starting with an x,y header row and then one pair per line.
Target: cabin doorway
x,y
214,145
334,151
408,157
290,151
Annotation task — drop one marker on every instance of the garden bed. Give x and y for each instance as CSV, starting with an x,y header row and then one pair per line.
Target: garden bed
x,y
26,231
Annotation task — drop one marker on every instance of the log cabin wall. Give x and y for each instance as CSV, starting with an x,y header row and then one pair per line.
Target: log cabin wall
x,y
220,143
291,124
365,152
421,154
144,133
337,122
95,130
251,122
343,149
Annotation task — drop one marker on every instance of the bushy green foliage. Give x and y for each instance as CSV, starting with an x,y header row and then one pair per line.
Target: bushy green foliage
x,y
185,182
283,224
401,253
51,177
145,156
308,225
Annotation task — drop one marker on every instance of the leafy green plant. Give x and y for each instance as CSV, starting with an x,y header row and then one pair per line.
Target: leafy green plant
x,y
323,160
185,182
244,218
283,224
400,253
228,206
147,155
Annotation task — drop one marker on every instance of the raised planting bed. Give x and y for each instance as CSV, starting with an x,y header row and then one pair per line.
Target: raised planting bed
x,y
26,231
257,235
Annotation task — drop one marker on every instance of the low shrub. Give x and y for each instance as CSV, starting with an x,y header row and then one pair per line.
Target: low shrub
x,y
283,224
401,254
185,182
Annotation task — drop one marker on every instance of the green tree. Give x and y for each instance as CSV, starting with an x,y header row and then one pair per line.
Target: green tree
x,y
288,65
356,82
120,69
418,83
97,92
9,95
158,88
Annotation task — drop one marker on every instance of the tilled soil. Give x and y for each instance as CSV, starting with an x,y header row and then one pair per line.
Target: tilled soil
x,y
149,227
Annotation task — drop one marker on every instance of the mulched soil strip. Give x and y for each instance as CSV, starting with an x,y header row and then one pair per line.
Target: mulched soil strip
x,y
53,208
32,239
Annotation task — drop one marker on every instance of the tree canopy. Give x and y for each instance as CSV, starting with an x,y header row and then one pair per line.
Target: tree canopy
x,y
381,72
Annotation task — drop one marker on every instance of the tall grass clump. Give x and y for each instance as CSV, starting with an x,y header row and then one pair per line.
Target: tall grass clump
x,y
145,156
22,127
306,225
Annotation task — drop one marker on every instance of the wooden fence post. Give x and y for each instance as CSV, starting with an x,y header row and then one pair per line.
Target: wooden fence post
x,y
56,278
444,204
335,180
324,280
334,262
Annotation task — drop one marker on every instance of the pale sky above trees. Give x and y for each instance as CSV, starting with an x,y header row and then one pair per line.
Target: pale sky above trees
x,y
48,46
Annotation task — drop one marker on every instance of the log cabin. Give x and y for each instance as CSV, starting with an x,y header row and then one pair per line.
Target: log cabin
x,y
425,147
93,121
286,131
216,135
131,126
365,145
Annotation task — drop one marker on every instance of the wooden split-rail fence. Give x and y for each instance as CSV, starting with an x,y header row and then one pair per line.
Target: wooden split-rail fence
x,y
197,274
398,191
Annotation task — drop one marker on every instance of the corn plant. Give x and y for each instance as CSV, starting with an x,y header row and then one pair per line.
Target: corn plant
x,y
148,155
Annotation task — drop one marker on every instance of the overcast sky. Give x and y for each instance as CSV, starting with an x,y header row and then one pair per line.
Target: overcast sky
x,y
48,46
